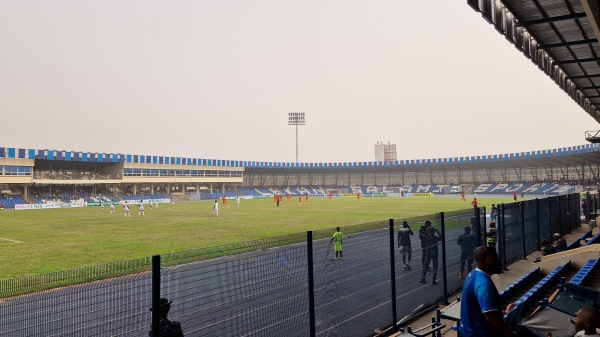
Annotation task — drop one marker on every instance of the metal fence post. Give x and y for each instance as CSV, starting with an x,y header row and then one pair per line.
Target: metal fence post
x,y
550,216
444,270
501,231
155,295
311,283
393,277
568,214
484,216
522,221
477,228
537,215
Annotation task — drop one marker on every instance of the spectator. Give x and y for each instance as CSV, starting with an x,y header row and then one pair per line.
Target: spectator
x,y
480,312
586,322
466,241
429,243
584,209
494,213
404,245
547,248
167,327
561,244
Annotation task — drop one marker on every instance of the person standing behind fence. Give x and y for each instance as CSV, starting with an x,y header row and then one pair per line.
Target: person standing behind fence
x,y
337,246
480,312
404,246
492,235
429,242
167,327
466,241
494,213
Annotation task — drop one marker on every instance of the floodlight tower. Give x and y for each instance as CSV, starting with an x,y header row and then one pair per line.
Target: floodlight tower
x,y
296,118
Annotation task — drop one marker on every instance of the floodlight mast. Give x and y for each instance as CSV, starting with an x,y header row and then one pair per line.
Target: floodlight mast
x,y
296,118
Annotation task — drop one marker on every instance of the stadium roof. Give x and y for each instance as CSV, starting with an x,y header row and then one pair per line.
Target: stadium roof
x,y
559,36
588,154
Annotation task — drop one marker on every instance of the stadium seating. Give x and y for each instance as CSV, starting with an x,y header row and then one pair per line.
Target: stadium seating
x,y
545,188
586,272
129,197
12,201
518,285
577,242
367,190
531,298
594,239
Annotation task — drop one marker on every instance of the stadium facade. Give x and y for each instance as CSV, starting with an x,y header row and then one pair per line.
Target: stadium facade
x,y
110,173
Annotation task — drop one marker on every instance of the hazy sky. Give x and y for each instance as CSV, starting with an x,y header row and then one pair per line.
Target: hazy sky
x,y
217,78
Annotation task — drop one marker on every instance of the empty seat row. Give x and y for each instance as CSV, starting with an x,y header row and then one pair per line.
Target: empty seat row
x,y
577,243
532,297
586,272
594,239
518,285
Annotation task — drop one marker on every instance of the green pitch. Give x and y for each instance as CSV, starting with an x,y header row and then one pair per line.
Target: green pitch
x,y
43,241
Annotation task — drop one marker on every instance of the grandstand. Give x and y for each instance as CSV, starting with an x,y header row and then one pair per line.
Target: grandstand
x,y
34,176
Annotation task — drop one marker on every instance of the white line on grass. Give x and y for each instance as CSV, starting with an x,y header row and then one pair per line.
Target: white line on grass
x,y
10,240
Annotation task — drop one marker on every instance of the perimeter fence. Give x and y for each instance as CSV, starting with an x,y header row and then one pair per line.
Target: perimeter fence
x,y
284,286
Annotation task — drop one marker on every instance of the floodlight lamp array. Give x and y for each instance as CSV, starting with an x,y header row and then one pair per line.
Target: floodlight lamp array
x,y
296,118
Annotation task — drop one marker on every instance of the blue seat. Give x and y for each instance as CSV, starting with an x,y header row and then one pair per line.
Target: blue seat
x,y
534,295
586,272
577,243
594,239
518,285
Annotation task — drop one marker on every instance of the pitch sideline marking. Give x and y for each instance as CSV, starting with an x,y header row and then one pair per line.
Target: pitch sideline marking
x,y
10,240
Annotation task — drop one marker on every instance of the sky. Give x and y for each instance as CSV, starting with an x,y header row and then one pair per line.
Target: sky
x,y
217,79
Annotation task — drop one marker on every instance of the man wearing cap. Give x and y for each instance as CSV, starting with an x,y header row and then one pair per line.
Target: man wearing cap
x,y
561,244
466,241
480,312
167,327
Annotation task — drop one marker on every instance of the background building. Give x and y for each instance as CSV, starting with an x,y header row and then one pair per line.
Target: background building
x,y
385,152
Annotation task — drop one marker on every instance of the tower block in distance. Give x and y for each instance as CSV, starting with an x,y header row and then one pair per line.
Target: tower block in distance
x,y
385,152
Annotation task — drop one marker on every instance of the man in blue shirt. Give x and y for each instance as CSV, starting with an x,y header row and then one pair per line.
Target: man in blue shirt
x,y
480,312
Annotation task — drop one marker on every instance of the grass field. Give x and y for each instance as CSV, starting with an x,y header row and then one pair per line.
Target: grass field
x,y
43,241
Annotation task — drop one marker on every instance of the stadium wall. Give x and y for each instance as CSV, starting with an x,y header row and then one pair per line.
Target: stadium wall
x,y
576,163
